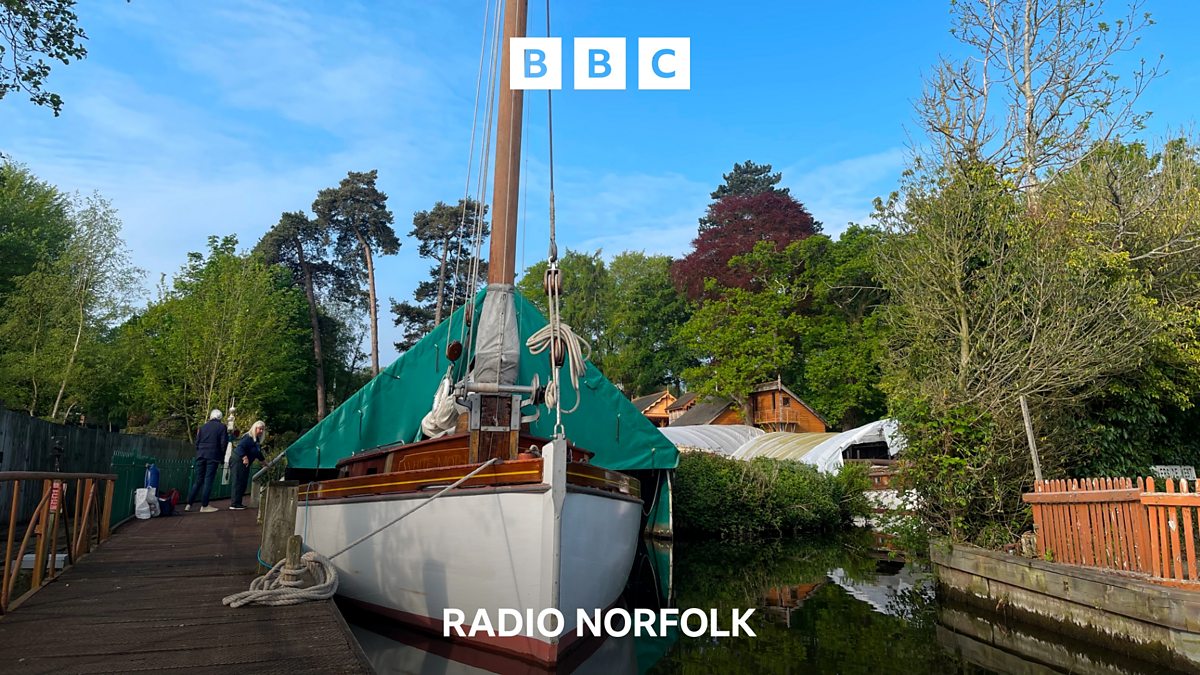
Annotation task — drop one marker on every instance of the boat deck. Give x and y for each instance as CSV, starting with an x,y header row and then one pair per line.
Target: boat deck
x,y
150,599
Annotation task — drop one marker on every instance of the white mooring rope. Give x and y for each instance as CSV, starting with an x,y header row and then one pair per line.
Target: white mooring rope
x,y
283,585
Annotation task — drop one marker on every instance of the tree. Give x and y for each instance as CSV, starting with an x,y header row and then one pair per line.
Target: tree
x,y
641,319
738,223
991,300
842,342
56,312
745,180
586,297
32,31
226,329
356,212
35,224
446,235
100,278
1037,87
1144,205
745,334
300,244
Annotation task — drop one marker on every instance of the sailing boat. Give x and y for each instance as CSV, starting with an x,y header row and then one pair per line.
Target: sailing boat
x,y
506,519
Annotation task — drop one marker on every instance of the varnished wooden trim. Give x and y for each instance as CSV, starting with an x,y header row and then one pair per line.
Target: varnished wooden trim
x,y
514,472
527,488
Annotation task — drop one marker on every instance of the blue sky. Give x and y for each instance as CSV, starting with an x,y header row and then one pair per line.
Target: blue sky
x,y
214,117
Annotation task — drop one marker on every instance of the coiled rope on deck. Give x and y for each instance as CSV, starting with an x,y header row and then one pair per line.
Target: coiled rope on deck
x,y
283,585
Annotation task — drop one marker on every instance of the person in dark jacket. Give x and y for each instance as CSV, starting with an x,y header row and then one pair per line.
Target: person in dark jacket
x,y
211,440
248,450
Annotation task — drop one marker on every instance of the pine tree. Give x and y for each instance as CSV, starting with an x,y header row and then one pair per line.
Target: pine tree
x,y
446,235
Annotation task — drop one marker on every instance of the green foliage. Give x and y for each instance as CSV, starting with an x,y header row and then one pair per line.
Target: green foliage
x,y
56,312
32,32
994,297
826,630
35,224
965,487
745,336
445,234
644,314
628,310
356,215
731,499
808,316
228,329
586,297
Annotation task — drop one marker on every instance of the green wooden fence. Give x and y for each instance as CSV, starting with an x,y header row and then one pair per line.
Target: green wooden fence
x,y
173,472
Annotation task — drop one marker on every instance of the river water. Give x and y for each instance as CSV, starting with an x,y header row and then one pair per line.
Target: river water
x,y
822,605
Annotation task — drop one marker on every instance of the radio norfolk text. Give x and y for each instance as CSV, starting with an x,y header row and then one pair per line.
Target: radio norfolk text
x,y
616,622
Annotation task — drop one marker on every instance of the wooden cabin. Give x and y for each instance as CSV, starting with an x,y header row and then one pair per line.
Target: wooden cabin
x,y
772,407
654,407
681,405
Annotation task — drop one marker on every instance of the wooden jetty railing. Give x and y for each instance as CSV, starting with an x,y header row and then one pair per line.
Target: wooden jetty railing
x,y
92,497
1120,524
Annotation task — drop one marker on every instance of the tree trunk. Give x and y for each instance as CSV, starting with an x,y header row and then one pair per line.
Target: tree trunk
x,y
437,311
374,309
67,371
1028,162
316,329
33,385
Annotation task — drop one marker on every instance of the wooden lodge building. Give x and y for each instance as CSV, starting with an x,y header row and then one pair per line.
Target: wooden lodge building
x,y
773,407
655,407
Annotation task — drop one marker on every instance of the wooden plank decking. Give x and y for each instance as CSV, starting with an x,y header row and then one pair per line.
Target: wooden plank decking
x,y
150,599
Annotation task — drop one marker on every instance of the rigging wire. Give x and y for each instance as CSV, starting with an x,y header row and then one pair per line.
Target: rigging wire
x,y
550,132
462,223
467,328
524,224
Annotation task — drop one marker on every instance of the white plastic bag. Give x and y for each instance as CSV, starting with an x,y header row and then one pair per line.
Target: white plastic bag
x,y
145,503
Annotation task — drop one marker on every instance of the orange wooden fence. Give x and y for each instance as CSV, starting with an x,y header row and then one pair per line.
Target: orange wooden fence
x,y
1120,524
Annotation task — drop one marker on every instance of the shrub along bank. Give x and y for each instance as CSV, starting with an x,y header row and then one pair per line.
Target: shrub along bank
x,y
720,497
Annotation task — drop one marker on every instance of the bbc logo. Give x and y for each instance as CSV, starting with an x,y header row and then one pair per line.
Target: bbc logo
x,y
600,63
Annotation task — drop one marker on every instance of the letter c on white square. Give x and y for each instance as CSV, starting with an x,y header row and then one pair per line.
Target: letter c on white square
x,y
665,63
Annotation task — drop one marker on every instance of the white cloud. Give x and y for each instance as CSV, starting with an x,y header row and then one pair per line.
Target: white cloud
x,y
842,192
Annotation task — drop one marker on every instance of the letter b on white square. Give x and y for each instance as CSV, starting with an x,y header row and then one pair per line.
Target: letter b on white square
x,y
599,63
664,63
535,63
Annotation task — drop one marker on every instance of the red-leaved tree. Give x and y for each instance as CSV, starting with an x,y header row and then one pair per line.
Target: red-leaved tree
x,y
738,223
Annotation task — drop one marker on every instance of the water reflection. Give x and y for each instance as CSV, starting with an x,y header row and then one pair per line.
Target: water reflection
x,y
825,605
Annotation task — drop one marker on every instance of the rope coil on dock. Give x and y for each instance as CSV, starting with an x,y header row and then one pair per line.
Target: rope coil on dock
x,y
284,585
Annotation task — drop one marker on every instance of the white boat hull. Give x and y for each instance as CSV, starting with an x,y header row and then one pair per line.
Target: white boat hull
x,y
481,549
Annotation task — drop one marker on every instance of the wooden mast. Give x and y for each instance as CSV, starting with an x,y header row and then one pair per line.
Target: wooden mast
x,y
502,254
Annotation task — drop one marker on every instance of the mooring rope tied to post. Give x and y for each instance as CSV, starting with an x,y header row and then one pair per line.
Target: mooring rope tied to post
x,y
284,585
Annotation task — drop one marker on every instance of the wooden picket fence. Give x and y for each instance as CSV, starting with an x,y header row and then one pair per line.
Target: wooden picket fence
x,y
1120,524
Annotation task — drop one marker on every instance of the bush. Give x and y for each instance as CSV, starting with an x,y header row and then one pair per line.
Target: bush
x,y
721,497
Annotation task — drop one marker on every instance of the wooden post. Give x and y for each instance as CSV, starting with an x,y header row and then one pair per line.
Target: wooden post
x,y
39,558
8,548
294,545
73,535
110,487
279,520
1037,466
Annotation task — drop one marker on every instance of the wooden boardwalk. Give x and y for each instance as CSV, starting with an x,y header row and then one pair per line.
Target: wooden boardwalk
x,y
150,599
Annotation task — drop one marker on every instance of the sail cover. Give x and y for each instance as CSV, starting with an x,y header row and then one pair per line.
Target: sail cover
x,y
389,408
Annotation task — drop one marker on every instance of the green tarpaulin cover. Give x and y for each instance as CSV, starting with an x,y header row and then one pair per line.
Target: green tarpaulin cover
x,y
389,408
